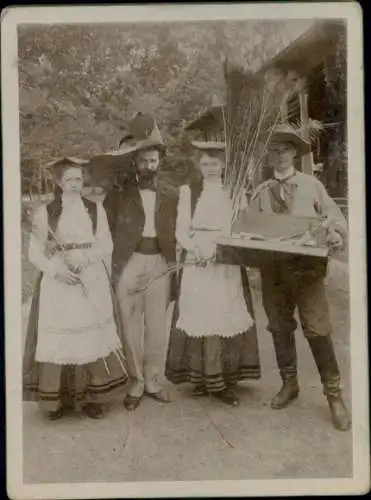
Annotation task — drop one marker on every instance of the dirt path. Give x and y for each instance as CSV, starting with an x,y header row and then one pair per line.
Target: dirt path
x,y
200,439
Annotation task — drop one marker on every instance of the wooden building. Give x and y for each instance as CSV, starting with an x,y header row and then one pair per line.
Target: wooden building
x,y
319,58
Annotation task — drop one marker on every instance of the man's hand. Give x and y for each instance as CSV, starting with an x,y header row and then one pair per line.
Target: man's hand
x,y
334,240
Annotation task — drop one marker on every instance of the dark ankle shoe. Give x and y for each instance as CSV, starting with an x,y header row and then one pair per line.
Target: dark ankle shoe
x,y
131,403
199,390
226,396
92,410
288,392
340,416
55,415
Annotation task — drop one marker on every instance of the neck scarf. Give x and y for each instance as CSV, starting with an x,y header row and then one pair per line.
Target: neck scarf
x,y
282,192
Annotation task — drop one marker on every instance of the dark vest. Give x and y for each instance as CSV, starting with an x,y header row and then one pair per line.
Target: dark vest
x,y
54,210
126,218
196,188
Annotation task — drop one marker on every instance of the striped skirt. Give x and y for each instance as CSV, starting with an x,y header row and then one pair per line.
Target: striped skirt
x,y
214,361
55,386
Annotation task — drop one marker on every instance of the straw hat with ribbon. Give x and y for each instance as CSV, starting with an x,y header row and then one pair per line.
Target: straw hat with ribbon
x,y
66,161
286,133
56,166
209,145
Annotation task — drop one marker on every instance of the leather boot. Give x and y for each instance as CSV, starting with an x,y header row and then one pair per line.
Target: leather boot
x,y
339,413
285,348
288,392
324,356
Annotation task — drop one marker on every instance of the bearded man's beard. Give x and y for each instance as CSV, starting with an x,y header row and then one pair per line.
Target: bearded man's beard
x,y
147,179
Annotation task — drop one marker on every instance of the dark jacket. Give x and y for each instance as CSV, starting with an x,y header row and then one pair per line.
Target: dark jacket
x,y
126,219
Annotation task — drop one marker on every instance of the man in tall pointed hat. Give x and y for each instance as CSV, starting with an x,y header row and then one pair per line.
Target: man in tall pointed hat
x,y
287,285
142,218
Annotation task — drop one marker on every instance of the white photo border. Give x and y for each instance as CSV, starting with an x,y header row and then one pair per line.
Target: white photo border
x,y
348,11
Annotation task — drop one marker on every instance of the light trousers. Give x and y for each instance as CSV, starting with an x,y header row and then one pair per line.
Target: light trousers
x,y
144,319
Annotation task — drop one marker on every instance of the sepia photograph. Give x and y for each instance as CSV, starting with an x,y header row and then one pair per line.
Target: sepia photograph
x,y
184,243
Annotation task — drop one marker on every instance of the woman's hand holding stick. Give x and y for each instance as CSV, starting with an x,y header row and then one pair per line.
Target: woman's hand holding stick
x,y
200,259
67,272
76,263
65,275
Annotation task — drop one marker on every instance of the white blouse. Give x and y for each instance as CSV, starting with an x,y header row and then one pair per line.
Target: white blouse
x,y
74,227
213,213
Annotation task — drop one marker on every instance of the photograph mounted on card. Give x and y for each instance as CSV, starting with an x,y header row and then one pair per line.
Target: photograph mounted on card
x,y
184,247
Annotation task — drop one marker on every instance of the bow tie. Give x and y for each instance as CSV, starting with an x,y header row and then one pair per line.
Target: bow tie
x,y
149,185
147,181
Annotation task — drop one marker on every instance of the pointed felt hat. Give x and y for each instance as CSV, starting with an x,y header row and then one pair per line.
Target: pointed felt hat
x,y
286,133
142,133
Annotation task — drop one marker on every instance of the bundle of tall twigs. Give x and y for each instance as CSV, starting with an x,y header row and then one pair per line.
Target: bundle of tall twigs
x,y
255,104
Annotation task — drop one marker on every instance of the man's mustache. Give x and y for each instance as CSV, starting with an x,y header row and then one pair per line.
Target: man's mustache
x,y
147,174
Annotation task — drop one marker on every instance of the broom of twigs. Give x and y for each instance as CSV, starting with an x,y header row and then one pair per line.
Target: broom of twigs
x,y
255,104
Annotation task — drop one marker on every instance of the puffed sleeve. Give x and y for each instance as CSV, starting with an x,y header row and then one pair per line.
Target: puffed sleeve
x,y
183,223
327,207
103,246
38,240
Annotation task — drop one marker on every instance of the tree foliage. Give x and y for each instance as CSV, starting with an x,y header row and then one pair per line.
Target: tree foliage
x,y
78,84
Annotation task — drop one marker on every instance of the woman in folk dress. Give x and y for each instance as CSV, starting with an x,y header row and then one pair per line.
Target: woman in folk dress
x,y
213,342
73,351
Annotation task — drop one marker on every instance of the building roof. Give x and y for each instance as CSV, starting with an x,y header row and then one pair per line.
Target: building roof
x,y
309,50
302,55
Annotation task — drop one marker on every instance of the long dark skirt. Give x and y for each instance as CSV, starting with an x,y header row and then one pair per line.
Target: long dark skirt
x,y
214,362
55,386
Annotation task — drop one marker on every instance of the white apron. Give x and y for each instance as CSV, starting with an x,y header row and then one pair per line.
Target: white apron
x,y
211,298
76,323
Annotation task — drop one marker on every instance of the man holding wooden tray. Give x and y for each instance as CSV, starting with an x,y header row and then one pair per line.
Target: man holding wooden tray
x,y
287,283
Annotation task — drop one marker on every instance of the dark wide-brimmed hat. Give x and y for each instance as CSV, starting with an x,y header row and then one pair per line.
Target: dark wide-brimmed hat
x,y
142,133
286,133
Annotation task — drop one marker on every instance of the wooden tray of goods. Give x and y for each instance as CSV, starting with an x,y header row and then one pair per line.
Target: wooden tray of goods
x,y
258,237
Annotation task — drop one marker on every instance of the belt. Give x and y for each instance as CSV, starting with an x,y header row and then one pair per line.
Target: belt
x,y
71,246
148,246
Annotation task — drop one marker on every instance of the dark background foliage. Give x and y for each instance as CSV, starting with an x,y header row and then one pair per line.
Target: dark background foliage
x,y
78,84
